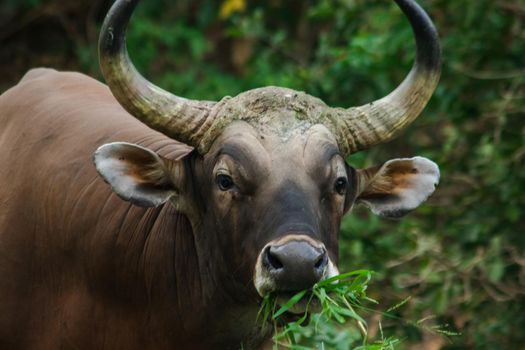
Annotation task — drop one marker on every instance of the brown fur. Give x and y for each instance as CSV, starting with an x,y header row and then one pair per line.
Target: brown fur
x,y
80,268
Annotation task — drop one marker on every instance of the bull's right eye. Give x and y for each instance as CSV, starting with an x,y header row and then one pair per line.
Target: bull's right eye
x,y
340,185
224,182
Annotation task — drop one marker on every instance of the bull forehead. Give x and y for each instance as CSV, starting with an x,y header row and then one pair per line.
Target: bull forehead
x,y
283,151
274,109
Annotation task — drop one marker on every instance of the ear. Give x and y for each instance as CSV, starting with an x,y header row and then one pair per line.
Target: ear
x,y
398,186
135,173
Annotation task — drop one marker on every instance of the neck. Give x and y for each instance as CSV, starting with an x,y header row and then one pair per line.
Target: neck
x,y
156,263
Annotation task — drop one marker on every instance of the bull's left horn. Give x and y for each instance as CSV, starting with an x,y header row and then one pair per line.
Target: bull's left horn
x,y
179,118
364,126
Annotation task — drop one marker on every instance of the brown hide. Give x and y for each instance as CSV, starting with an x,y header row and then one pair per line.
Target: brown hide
x,y
79,267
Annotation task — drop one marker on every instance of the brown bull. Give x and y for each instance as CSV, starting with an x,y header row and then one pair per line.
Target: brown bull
x,y
252,207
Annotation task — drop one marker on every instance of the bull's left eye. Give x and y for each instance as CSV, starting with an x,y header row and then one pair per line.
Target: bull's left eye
x,y
340,185
224,182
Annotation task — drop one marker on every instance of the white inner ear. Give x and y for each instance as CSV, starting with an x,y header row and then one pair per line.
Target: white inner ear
x,y
135,173
407,194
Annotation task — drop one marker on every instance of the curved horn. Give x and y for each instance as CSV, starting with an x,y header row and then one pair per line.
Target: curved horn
x,y
361,127
179,118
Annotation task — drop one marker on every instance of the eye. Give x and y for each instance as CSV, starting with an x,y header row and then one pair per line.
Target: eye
x,y
224,182
340,185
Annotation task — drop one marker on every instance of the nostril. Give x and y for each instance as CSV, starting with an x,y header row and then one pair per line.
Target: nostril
x,y
272,261
321,262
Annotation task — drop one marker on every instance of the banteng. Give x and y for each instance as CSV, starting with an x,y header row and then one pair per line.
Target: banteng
x,y
210,205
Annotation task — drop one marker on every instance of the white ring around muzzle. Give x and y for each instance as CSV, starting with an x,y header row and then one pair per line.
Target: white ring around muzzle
x,y
264,283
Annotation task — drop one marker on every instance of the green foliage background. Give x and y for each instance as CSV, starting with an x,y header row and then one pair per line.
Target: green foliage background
x,y
461,257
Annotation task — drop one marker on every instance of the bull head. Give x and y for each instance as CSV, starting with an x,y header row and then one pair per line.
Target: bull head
x,y
267,183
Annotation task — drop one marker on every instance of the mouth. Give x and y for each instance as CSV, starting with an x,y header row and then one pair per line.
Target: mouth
x,y
289,307
306,304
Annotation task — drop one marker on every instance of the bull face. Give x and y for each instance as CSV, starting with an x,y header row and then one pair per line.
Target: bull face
x,y
278,200
267,184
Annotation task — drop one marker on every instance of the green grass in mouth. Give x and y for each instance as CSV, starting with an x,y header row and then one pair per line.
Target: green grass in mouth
x,y
335,300
330,319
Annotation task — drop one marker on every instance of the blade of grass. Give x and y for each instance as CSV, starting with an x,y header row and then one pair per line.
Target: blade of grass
x,y
291,302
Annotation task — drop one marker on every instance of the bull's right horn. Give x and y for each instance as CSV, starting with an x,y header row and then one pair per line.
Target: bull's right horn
x,y
179,118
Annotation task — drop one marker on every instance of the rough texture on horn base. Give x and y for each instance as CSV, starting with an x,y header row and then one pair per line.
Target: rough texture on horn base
x,y
278,109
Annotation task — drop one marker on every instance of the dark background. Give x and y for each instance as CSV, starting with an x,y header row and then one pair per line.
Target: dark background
x,y
461,256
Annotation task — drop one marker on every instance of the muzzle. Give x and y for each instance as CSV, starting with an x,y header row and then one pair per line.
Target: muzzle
x,y
291,264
